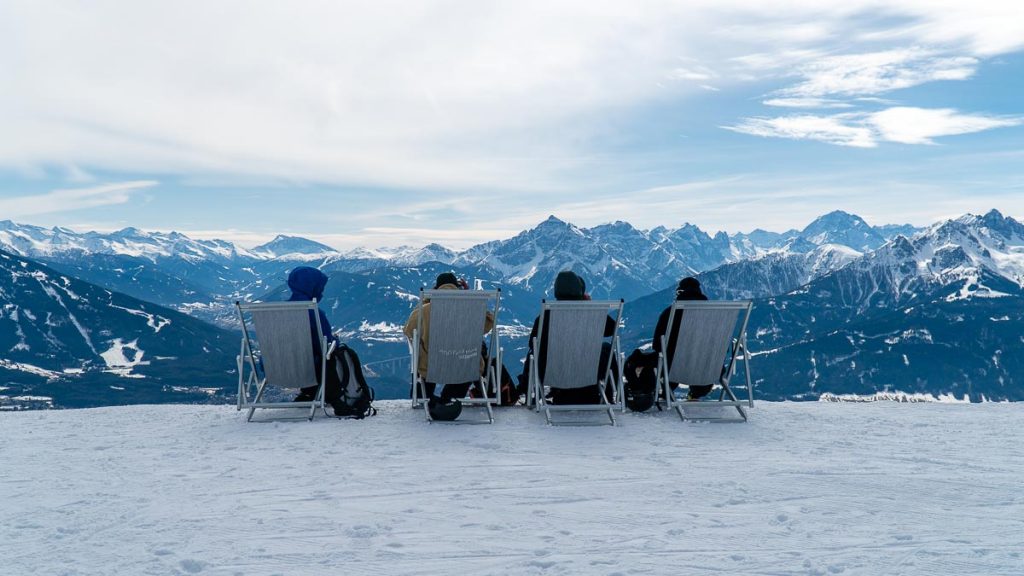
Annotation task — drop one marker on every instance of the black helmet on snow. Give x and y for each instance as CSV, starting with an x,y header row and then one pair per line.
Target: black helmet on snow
x,y
444,410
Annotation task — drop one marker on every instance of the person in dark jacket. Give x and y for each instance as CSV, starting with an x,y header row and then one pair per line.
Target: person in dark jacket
x,y
688,289
307,283
568,286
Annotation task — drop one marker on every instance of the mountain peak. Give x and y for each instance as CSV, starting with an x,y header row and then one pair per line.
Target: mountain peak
x,y
128,232
839,214
839,227
283,244
833,219
552,224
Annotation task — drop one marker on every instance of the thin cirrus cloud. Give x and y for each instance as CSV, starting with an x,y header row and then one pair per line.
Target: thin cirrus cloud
x,y
878,72
72,199
900,124
806,103
838,129
848,81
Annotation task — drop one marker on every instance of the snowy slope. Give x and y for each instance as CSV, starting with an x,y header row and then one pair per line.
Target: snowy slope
x,y
775,272
806,488
81,345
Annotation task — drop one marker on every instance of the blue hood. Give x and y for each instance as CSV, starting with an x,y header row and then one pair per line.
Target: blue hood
x,y
307,283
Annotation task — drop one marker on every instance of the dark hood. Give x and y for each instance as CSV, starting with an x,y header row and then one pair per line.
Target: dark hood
x,y
307,283
569,286
689,289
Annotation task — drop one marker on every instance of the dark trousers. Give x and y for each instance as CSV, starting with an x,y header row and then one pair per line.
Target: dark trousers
x,y
449,391
699,391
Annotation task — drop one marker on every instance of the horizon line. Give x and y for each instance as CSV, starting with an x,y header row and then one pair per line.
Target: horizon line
x,y
257,239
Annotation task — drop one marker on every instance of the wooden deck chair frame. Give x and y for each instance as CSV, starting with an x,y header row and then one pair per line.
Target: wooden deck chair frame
x,y
453,350
282,330
708,349
579,324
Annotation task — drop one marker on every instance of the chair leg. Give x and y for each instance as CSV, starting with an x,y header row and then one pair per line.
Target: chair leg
x,y
318,402
259,396
426,400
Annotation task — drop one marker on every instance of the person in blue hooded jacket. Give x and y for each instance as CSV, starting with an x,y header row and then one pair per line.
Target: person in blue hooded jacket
x,y
307,283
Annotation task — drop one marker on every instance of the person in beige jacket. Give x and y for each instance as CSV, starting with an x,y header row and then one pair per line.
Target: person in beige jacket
x,y
445,281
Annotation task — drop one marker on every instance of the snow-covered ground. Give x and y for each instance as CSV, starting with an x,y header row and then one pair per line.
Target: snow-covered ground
x,y
804,488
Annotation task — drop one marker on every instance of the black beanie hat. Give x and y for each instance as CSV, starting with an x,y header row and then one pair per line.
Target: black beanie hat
x,y
688,285
445,278
569,286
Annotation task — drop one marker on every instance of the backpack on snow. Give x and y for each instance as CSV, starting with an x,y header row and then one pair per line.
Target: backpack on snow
x,y
356,395
641,374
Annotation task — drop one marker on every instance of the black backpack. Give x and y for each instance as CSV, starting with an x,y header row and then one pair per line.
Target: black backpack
x,y
356,395
641,373
508,395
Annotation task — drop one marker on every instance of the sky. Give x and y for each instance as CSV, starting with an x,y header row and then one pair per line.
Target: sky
x,y
387,123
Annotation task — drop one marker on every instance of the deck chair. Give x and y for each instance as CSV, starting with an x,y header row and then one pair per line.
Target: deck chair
x,y
708,348
283,352
457,320
575,335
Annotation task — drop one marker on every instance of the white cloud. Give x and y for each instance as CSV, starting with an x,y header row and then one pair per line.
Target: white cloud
x,y
433,96
908,125
840,129
806,103
698,74
878,72
69,200
901,124
76,175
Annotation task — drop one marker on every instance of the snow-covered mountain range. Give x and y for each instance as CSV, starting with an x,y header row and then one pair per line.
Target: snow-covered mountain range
x,y
89,345
623,260
838,280
943,309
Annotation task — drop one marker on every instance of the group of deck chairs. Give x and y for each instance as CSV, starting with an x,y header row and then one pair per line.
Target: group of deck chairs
x,y
710,344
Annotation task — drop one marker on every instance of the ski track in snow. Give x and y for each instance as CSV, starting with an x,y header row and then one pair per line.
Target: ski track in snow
x,y
52,293
804,488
